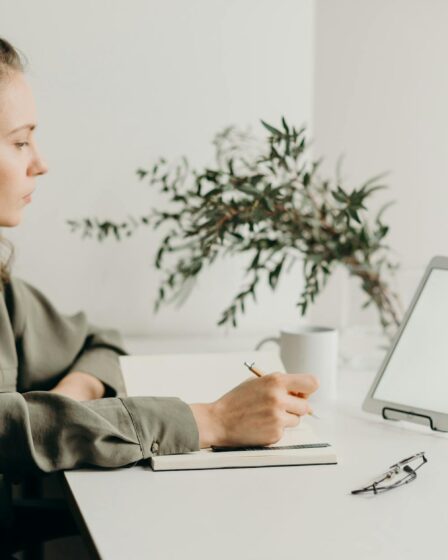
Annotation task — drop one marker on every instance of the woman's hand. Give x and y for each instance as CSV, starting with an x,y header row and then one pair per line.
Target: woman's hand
x,y
80,386
255,412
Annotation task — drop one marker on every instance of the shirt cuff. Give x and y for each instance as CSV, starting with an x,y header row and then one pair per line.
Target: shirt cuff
x,y
164,425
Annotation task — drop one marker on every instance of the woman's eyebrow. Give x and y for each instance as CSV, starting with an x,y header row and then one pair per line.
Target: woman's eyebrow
x,y
30,126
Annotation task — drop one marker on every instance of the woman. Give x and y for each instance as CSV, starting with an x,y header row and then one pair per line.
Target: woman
x,y
62,402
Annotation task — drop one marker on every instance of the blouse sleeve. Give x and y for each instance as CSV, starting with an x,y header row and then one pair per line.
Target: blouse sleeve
x,y
42,431
46,432
51,344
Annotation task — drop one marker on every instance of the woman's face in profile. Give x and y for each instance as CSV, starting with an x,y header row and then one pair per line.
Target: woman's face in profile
x,y
20,161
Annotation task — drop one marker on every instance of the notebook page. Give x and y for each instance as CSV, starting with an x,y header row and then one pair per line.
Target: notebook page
x,y
303,433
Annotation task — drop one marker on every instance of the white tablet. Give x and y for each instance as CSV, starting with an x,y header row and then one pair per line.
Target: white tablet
x,y
412,383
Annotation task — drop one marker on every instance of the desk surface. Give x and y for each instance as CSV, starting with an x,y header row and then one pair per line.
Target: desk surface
x,y
280,513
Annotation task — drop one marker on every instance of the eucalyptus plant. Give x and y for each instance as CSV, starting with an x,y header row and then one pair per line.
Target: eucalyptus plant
x,y
265,199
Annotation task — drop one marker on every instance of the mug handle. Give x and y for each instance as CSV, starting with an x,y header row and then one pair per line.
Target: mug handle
x,y
268,339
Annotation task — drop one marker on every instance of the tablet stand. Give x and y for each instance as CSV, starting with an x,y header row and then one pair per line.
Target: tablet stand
x,y
410,416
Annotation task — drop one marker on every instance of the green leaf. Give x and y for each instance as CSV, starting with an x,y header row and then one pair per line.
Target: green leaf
x,y
275,273
303,305
273,130
383,230
223,320
141,173
354,214
248,189
339,197
369,191
237,236
364,236
268,203
373,180
255,261
383,209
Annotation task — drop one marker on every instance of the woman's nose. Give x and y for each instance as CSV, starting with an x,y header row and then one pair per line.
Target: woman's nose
x,y
43,167
38,166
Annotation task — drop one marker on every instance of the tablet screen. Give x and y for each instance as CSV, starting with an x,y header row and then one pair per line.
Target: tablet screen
x,y
417,372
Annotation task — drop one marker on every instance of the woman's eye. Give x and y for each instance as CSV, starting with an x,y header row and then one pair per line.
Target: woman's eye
x,y
22,144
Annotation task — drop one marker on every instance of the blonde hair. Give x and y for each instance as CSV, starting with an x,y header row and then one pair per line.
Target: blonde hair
x,y
10,61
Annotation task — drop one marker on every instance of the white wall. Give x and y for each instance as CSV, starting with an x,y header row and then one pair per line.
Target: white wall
x,y
118,84
381,91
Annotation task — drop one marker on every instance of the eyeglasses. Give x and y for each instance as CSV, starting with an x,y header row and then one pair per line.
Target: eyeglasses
x,y
398,475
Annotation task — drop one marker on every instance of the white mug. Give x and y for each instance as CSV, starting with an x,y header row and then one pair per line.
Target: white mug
x,y
310,349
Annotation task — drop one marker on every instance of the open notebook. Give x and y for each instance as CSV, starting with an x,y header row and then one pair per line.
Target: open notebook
x,y
204,378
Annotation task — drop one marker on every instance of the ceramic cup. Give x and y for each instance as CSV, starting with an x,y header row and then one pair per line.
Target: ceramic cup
x,y
310,349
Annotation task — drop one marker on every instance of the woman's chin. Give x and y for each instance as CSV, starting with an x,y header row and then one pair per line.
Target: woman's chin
x,y
10,221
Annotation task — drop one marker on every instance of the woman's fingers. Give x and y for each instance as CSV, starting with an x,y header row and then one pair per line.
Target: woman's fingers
x,y
299,383
291,420
296,405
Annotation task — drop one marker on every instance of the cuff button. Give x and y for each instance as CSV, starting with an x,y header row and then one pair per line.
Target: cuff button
x,y
155,448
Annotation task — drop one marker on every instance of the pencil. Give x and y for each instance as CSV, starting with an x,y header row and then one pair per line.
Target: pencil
x,y
260,373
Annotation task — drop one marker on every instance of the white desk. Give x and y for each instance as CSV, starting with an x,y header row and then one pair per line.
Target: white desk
x,y
279,513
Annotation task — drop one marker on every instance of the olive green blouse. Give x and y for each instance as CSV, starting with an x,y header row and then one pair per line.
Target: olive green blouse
x,y
42,431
